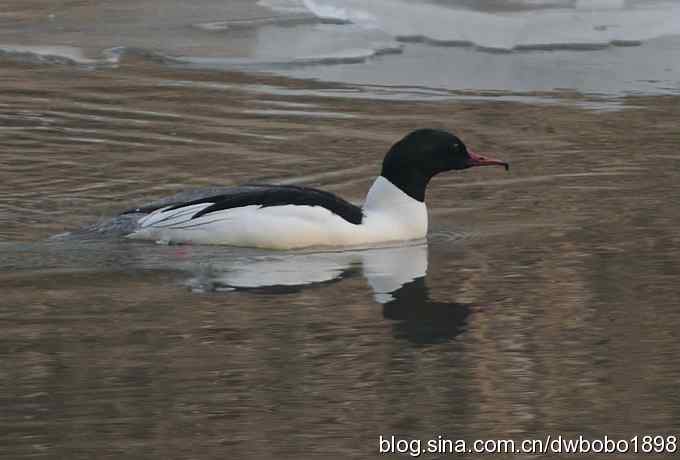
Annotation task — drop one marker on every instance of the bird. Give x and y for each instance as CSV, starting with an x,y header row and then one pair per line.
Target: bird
x,y
291,216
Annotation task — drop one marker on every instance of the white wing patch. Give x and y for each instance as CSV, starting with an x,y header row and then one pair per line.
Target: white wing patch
x,y
171,218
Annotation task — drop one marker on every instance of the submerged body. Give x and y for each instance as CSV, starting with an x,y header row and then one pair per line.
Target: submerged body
x,y
287,217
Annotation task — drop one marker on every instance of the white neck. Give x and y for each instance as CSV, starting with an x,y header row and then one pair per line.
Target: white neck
x,y
393,211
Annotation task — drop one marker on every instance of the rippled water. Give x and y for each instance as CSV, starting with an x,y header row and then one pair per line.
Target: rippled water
x,y
544,301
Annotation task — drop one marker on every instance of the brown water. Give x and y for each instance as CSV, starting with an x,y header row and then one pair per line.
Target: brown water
x,y
549,303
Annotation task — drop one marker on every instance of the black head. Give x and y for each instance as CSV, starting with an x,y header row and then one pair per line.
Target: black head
x,y
415,159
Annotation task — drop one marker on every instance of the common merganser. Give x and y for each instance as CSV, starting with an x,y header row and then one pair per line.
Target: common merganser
x,y
288,216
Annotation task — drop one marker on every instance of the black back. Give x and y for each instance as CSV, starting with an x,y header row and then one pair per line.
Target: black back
x,y
277,195
415,159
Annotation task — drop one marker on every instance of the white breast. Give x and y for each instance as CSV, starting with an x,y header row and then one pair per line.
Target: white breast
x,y
392,215
389,215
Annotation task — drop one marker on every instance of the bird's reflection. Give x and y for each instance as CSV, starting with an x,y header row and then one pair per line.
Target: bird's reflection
x,y
421,319
397,276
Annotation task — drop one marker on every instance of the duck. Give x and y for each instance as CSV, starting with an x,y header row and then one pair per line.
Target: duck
x,y
291,216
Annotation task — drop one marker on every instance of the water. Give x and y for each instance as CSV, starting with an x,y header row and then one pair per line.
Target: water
x,y
595,47
605,48
544,300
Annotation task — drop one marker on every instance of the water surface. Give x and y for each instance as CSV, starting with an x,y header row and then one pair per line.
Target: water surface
x,y
544,301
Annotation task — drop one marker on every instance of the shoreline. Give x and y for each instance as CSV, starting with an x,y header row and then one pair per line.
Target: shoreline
x,y
276,83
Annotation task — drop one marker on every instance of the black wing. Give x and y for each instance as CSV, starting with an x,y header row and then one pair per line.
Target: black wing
x,y
270,195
